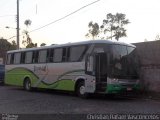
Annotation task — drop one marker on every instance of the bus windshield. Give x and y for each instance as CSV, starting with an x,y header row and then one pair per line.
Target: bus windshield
x,y
123,62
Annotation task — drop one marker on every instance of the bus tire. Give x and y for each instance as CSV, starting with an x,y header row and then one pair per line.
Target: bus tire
x,y
81,90
27,84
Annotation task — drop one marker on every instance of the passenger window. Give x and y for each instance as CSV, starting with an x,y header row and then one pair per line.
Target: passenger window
x,y
12,58
65,55
23,57
8,58
35,56
17,58
51,55
76,53
42,56
58,55
28,57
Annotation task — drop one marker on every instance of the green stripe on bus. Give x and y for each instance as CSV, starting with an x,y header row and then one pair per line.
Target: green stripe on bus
x,y
17,75
59,85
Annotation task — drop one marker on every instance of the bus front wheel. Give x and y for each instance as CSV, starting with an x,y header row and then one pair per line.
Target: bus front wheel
x,y
81,90
27,84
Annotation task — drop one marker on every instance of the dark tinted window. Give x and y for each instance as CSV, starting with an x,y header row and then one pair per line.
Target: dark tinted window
x,y
12,58
35,56
8,58
122,62
28,57
65,55
58,55
51,55
76,52
119,51
130,49
42,56
23,57
17,57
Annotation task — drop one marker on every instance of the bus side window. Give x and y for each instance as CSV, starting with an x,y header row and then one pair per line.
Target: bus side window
x,y
68,54
17,57
76,53
35,56
51,55
12,58
58,55
28,57
47,59
23,54
64,55
42,56
9,59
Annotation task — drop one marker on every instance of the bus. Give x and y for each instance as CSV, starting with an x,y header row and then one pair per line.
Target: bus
x,y
96,66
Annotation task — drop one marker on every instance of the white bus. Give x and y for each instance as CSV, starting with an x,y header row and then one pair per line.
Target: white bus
x,y
97,66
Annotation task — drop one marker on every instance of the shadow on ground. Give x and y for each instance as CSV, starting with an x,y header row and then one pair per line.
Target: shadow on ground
x,y
108,97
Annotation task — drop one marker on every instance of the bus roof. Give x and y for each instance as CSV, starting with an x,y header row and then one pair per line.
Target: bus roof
x,y
76,43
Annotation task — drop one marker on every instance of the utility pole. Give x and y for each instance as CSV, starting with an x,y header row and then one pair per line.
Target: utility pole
x,y
17,24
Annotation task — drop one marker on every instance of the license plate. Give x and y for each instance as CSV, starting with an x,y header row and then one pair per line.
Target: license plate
x,y
129,89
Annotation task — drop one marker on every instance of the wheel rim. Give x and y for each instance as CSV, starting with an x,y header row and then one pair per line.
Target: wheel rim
x,y
28,85
82,90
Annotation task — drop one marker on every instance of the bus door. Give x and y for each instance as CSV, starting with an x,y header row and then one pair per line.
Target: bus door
x,y
90,83
96,67
101,71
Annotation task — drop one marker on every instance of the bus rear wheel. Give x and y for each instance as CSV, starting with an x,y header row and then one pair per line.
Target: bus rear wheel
x,y
27,84
81,90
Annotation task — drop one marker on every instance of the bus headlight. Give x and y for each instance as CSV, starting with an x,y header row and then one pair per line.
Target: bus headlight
x,y
114,80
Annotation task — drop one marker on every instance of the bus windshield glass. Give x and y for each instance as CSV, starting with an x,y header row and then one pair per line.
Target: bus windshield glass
x,y
123,62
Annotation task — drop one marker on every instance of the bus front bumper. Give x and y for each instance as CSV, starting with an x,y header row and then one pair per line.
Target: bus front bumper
x,y
117,88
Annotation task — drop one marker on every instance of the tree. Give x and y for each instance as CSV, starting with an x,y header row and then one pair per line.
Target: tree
x,y
5,45
112,27
27,39
31,45
27,22
13,45
43,44
93,30
157,37
114,24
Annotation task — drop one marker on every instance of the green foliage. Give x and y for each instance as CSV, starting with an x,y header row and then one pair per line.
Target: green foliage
x,y
5,45
31,45
43,44
112,27
13,45
27,22
157,37
114,24
27,41
93,30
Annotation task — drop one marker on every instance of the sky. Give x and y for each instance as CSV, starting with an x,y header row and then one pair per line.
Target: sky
x,y
144,17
